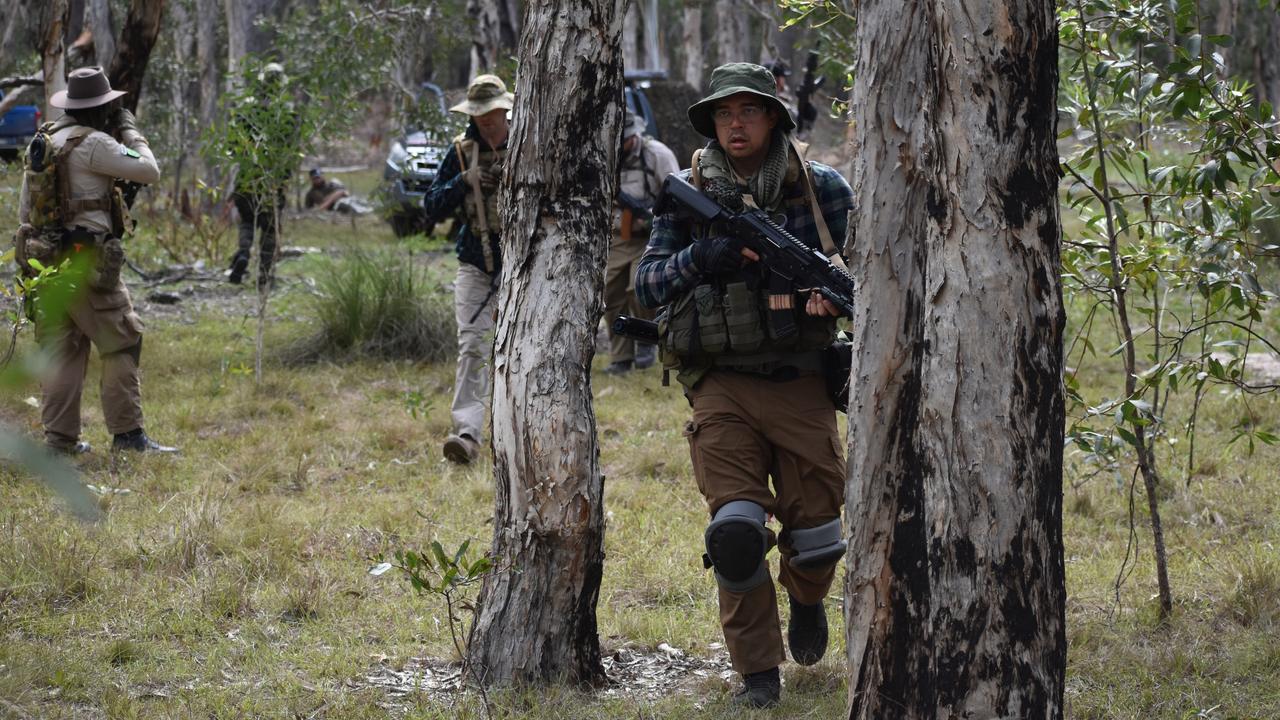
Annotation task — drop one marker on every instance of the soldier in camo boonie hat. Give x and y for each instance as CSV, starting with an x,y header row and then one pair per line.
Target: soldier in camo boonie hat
x,y
732,79
485,94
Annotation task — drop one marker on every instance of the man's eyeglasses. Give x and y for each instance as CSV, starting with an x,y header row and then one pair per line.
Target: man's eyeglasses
x,y
748,114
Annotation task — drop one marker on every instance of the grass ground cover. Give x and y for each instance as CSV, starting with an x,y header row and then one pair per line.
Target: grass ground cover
x,y
232,581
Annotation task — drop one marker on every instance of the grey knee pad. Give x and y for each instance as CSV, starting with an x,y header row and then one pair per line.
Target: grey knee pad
x,y
736,546
819,546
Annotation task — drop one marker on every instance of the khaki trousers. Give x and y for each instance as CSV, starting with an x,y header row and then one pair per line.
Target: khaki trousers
x,y
745,430
104,319
620,292
472,382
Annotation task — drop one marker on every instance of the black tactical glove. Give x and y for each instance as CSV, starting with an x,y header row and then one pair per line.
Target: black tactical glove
x,y
717,254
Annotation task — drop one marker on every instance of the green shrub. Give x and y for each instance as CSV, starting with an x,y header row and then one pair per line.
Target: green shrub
x,y
378,305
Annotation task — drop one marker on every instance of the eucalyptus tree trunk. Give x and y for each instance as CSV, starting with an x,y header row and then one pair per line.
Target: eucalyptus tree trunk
x,y
692,43
137,39
207,51
244,36
631,38
97,16
733,27
53,57
497,26
955,594
536,621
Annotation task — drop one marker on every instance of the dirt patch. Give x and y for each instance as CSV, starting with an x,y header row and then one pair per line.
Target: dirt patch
x,y
634,672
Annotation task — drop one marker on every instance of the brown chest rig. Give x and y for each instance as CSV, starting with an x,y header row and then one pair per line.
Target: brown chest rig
x,y
481,209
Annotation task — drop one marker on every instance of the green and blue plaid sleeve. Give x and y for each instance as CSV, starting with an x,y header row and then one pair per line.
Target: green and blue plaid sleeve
x,y
666,270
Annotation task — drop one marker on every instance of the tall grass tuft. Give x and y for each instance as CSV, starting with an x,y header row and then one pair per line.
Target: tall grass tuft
x,y
377,305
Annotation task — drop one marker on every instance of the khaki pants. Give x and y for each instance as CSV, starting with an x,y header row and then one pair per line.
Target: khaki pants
x,y
620,293
104,319
745,430
472,382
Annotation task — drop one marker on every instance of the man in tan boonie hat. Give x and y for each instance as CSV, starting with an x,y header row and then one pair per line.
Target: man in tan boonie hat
x,y
91,147
749,348
468,178
485,94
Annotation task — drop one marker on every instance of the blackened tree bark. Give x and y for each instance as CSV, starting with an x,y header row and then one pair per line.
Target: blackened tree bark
x,y
137,39
955,593
537,613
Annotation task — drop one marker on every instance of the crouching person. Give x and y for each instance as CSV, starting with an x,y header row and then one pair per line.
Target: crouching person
x,y
70,207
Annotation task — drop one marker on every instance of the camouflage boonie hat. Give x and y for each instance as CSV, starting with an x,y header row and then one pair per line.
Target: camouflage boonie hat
x,y
485,94
732,79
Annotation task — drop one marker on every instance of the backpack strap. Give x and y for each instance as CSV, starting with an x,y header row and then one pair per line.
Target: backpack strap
x,y
70,207
824,234
696,177
470,150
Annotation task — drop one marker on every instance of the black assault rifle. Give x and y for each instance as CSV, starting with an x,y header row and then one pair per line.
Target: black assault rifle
x,y
782,254
805,107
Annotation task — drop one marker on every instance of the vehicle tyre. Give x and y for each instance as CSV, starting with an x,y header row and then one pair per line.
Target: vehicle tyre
x,y
9,156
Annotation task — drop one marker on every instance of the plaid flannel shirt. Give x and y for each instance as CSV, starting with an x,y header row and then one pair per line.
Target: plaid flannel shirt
x,y
667,270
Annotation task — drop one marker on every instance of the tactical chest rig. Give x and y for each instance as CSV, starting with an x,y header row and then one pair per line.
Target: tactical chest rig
x,y
748,321
481,209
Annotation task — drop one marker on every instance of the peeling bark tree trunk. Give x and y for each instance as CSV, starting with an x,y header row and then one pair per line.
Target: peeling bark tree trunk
x,y
497,26
537,616
98,19
955,593
52,55
207,50
137,39
692,43
244,37
732,31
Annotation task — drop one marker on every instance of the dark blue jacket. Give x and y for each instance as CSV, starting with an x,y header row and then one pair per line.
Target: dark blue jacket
x,y
444,199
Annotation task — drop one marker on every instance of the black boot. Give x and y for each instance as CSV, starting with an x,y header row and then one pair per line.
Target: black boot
x,y
759,689
807,632
239,264
137,441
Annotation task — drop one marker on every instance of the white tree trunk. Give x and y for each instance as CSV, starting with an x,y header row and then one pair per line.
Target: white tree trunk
x,y
955,594
537,620
243,35
52,54
207,51
631,38
496,27
98,20
733,29
692,43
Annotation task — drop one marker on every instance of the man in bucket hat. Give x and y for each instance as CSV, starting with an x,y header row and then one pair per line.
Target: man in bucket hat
x,y
749,351
468,179
88,149
645,163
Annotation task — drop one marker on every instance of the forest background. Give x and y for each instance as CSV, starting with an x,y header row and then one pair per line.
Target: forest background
x,y
241,587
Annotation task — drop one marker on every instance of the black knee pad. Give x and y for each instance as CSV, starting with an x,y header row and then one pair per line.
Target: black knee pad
x,y
737,542
819,546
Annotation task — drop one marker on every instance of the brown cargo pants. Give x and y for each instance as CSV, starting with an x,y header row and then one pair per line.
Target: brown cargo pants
x,y
107,320
745,430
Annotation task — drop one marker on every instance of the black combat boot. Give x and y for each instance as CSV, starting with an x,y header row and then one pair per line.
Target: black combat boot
x,y
807,632
618,367
759,689
137,441
239,264
646,355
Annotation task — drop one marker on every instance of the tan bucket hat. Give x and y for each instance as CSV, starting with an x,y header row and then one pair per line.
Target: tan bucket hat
x,y
87,87
486,93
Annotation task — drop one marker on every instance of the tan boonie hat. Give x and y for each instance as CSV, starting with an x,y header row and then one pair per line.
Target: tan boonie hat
x,y
87,87
732,79
484,94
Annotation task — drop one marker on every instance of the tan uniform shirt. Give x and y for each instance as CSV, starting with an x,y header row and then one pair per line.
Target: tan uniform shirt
x,y
643,171
93,167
